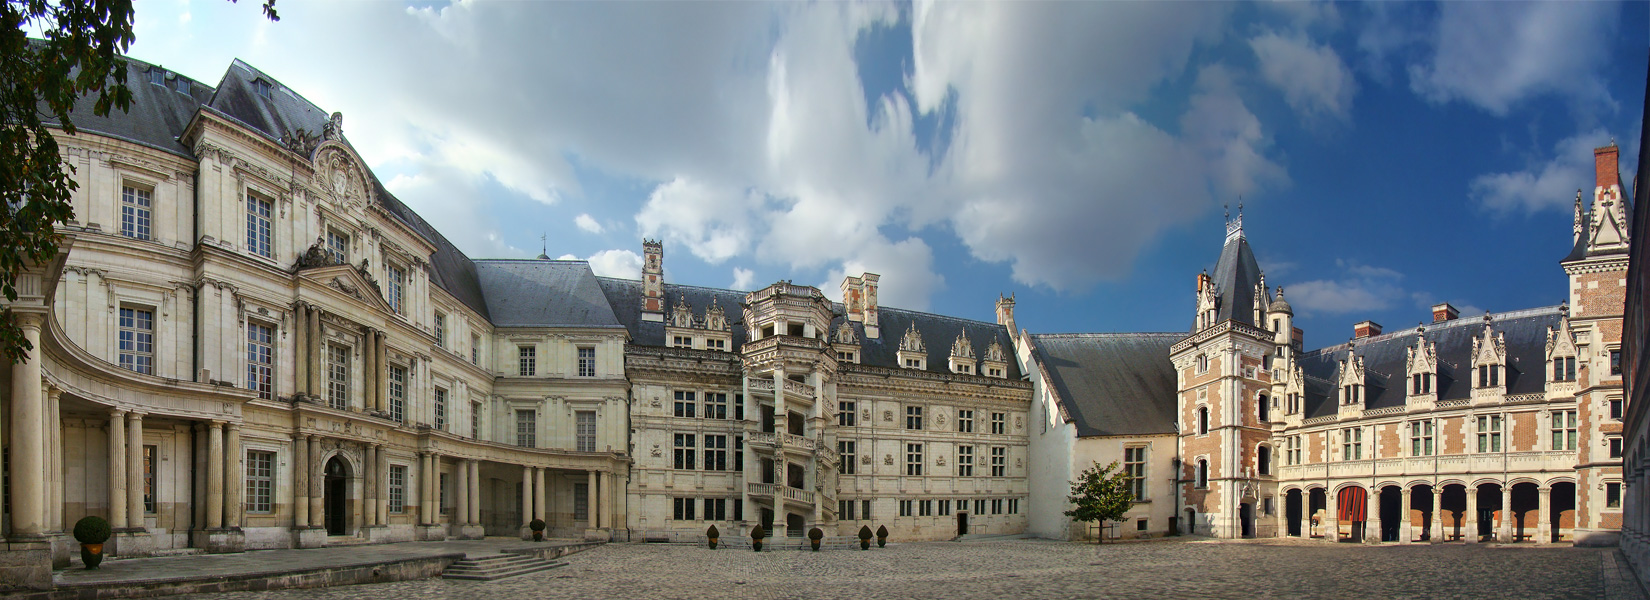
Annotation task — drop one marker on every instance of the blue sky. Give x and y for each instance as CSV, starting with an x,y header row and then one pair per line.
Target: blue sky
x,y
1388,155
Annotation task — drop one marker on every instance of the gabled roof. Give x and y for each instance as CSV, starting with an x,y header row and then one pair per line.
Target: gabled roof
x,y
543,293
1386,370
1112,383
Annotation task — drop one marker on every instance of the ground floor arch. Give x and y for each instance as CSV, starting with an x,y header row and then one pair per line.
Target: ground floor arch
x,y
1293,512
335,494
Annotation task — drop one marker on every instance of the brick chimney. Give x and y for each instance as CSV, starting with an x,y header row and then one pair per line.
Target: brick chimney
x,y
852,299
868,299
1005,313
1444,312
653,280
1605,167
1366,329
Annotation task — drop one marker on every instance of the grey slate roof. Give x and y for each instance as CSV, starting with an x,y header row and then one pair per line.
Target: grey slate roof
x,y
543,293
157,116
1112,383
1236,276
1386,371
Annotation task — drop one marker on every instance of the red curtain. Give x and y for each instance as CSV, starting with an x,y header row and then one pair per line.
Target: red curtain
x,y
1354,502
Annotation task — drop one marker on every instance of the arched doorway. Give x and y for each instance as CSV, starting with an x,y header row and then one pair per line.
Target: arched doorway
x,y
1351,514
1489,507
1393,512
1563,511
794,526
1453,511
1525,509
1317,504
335,496
1292,511
1420,500
1246,520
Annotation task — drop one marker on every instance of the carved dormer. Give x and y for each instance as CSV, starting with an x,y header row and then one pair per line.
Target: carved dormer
x,y
996,361
681,315
1561,357
1489,363
1421,362
1607,231
1293,394
962,355
845,343
1208,302
913,353
1349,384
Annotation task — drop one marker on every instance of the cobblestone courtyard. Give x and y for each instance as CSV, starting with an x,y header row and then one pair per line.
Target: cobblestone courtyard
x,y
1018,569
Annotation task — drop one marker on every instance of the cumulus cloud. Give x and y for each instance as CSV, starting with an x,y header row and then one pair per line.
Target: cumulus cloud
x,y
1495,54
586,222
1313,79
622,264
742,279
1360,288
715,224
1549,183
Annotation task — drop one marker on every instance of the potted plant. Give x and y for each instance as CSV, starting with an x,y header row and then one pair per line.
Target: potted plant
x,y
756,538
814,535
538,529
91,532
882,536
864,537
712,534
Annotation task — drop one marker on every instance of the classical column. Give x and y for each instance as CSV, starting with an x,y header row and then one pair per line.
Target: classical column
x,y
539,507
369,485
300,481
475,493
317,349
317,479
590,500
1505,534
117,469
369,371
526,495
214,477
461,495
135,485
234,478
54,457
1544,532
28,462
300,348
1372,515
426,489
1331,514
609,500
1405,533
752,412
383,490
1470,526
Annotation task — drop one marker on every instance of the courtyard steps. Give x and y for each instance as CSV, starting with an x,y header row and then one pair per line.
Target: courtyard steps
x,y
500,566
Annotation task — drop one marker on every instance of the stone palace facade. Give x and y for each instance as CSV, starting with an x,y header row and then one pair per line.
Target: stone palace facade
x,y
248,342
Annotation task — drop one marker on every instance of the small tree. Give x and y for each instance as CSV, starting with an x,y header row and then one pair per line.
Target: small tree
x,y
1100,495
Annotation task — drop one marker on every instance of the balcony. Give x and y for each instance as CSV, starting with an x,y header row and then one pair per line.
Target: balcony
x,y
773,490
801,389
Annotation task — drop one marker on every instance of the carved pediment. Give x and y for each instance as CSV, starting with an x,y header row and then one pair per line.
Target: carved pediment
x,y
715,318
912,342
681,315
845,334
962,347
995,353
346,280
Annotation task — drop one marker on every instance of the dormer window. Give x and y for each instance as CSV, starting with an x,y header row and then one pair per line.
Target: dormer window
x,y
913,352
716,344
847,356
681,341
1489,375
1564,368
157,76
262,88
1352,394
181,85
1420,383
995,372
338,246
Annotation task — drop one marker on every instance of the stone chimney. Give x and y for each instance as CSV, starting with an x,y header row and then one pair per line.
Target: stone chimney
x,y
653,281
853,299
868,301
1444,312
1605,167
1366,329
1005,313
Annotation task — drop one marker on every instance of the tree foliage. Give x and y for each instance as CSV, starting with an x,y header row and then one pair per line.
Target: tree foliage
x,y
1099,494
41,80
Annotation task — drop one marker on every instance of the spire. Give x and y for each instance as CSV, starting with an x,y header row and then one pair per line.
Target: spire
x,y
1576,234
544,248
1234,227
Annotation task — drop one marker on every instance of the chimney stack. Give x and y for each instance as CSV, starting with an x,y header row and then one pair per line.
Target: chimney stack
x,y
1366,329
868,300
653,281
852,300
1444,312
1005,313
1605,167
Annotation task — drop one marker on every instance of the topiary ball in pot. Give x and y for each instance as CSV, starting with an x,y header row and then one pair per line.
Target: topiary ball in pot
x,y
882,536
537,525
92,532
864,537
712,535
814,535
756,538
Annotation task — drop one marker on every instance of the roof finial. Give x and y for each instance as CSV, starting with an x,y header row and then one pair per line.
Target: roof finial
x,y
1228,208
544,248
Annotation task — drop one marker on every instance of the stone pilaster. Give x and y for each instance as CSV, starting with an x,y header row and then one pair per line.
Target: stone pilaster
x,y
117,470
234,478
135,485
300,481
1544,532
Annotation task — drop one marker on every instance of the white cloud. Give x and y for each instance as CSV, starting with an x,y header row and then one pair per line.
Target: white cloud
x,y
622,264
1313,79
1495,54
1362,288
742,279
907,270
587,223
1550,183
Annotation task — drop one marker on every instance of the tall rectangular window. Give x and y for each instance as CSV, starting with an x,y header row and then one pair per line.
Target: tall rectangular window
x,y
260,481
1420,438
1352,443
581,502
716,509
137,340
979,506
398,488
685,405
845,449
1612,494
258,228
1615,447
587,362
149,466
682,509
1489,433
475,420
845,416
1615,408
527,361
965,461
337,376
913,459
996,506
684,447
1564,430
1134,463
260,360
716,405
585,436
475,349
1293,449
906,507
527,427
845,510
739,453
338,246
913,418
716,453
999,461
395,289
1615,362
135,213
999,423
965,421
925,508
440,409
398,394
440,330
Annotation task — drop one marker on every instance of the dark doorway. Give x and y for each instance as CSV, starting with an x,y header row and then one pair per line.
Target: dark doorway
x,y
1292,511
1265,410
767,520
1393,513
767,470
1489,503
1316,510
794,525
767,418
1351,511
1191,521
795,421
1525,511
962,523
1563,511
1246,519
795,476
335,496
1420,499
1453,511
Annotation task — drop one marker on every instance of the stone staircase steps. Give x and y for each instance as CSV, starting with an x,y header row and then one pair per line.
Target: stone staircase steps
x,y
489,568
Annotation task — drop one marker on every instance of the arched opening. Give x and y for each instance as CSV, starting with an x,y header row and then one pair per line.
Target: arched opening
x,y
1202,420
1351,514
1489,510
1202,473
1246,520
1292,511
1525,510
1393,512
1265,408
1421,513
1563,511
1454,511
1263,460
1316,509
335,496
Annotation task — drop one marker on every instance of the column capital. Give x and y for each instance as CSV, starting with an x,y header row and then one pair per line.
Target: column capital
x,y
117,414
53,392
28,319
134,415
234,426
218,424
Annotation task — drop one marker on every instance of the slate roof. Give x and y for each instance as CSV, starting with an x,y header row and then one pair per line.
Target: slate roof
x,y
543,293
1112,383
1236,276
1385,355
158,113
